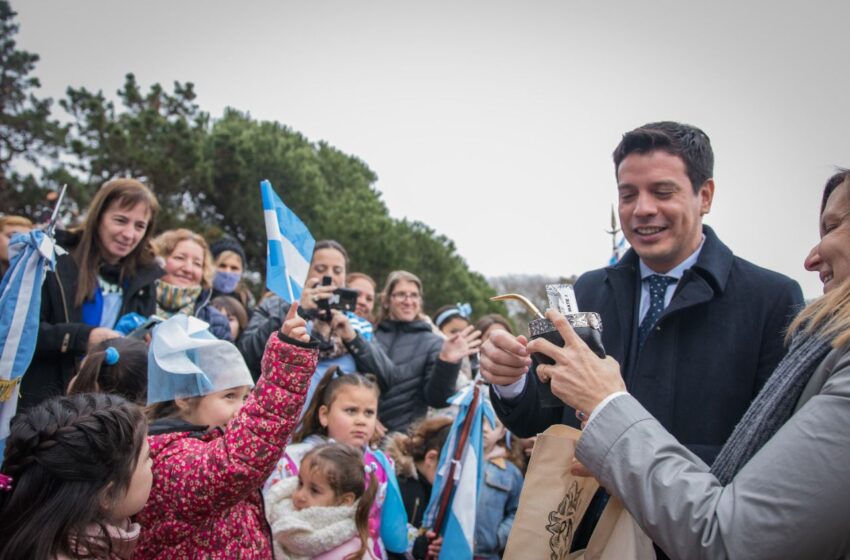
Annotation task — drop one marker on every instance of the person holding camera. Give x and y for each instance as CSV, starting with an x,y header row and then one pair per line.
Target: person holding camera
x,y
345,340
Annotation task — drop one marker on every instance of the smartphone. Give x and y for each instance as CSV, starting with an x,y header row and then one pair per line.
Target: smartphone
x,y
145,328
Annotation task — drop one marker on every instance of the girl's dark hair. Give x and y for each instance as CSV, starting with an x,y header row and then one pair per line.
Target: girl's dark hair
x,y
408,449
491,319
450,317
343,468
127,377
63,454
126,193
332,381
231,306
331,244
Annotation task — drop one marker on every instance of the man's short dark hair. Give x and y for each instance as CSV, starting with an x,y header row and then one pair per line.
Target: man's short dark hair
x,y
683,140
832,184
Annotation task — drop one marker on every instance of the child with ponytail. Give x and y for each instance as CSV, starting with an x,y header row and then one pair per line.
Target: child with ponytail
x,y
76,469
323,512
118,366
344,409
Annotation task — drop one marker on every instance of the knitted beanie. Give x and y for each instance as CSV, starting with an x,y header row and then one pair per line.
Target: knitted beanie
x,y
228,243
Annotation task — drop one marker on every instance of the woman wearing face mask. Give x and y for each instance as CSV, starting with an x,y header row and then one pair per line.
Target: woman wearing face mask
x,y
229,262
779,487
426,365
107,272
186,286
345,340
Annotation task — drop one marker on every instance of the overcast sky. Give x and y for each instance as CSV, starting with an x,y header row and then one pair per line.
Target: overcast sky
x,y
494,122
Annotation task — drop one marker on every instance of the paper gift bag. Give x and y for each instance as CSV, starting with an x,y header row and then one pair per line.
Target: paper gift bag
x,y
617,537
552,501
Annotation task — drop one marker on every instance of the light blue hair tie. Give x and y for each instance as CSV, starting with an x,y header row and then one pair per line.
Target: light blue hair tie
x,y
112,356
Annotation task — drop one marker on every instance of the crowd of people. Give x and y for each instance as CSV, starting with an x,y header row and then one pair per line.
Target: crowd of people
x,y
170,412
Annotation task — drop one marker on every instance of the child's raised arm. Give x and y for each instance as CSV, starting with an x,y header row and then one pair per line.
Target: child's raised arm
x,y
294,326
202,478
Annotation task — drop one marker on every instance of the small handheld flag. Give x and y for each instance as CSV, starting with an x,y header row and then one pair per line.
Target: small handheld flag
x,y
454,497
290,247
30,254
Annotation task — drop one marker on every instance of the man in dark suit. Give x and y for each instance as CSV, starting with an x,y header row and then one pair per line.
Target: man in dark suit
x,y
696,330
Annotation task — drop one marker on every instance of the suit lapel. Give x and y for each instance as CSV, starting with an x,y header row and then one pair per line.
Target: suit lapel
x,y
623,289
693,289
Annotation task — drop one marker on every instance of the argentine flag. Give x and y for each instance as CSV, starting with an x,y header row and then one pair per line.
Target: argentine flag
x,y
458,528
619,250
20,305
290,247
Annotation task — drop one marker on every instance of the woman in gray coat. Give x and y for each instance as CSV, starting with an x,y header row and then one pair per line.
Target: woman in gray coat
x,y
780,486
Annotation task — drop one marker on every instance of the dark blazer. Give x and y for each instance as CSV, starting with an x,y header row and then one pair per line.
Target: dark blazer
x,y
711,351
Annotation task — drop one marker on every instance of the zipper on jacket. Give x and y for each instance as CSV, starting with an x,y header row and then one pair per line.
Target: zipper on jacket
x,y
66,340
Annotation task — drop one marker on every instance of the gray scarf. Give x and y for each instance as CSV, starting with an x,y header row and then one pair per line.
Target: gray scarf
x,y
773,405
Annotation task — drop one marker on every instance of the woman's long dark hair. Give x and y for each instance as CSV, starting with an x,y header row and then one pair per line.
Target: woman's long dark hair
x,y
62,455
126,193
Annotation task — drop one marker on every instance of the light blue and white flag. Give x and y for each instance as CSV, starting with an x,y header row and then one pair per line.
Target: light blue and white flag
x,y
458,528
290,247
20,306
619,250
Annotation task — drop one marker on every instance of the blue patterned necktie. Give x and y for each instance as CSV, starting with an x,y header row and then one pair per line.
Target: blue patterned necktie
x,y
657,288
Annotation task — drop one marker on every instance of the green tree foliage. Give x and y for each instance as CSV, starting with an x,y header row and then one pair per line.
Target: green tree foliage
x,y
206,174
157,137
27,133
333,194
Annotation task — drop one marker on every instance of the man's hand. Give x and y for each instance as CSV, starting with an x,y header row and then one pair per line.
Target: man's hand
x,y
578,377
504,358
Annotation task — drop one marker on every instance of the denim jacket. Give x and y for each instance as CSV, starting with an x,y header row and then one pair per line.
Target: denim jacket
x,y
497,507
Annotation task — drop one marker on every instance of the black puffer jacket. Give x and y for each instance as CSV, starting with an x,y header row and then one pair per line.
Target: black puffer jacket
x,y
420,378
62,335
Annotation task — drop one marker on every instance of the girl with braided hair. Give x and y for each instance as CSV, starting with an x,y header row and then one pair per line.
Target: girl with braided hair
x,y
76,469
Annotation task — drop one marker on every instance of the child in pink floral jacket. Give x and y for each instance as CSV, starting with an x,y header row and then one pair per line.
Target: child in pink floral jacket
x,y
210,453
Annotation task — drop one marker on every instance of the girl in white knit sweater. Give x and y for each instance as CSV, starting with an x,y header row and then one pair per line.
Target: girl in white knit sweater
x,y
323,513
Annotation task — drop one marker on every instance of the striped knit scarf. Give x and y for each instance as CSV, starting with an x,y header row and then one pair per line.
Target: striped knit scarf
x,y
773,406
171,299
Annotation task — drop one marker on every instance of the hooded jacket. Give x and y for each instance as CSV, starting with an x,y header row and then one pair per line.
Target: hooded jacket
x,y
206,501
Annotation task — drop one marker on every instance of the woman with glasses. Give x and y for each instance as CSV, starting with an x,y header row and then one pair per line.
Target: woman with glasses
x,y
426,365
